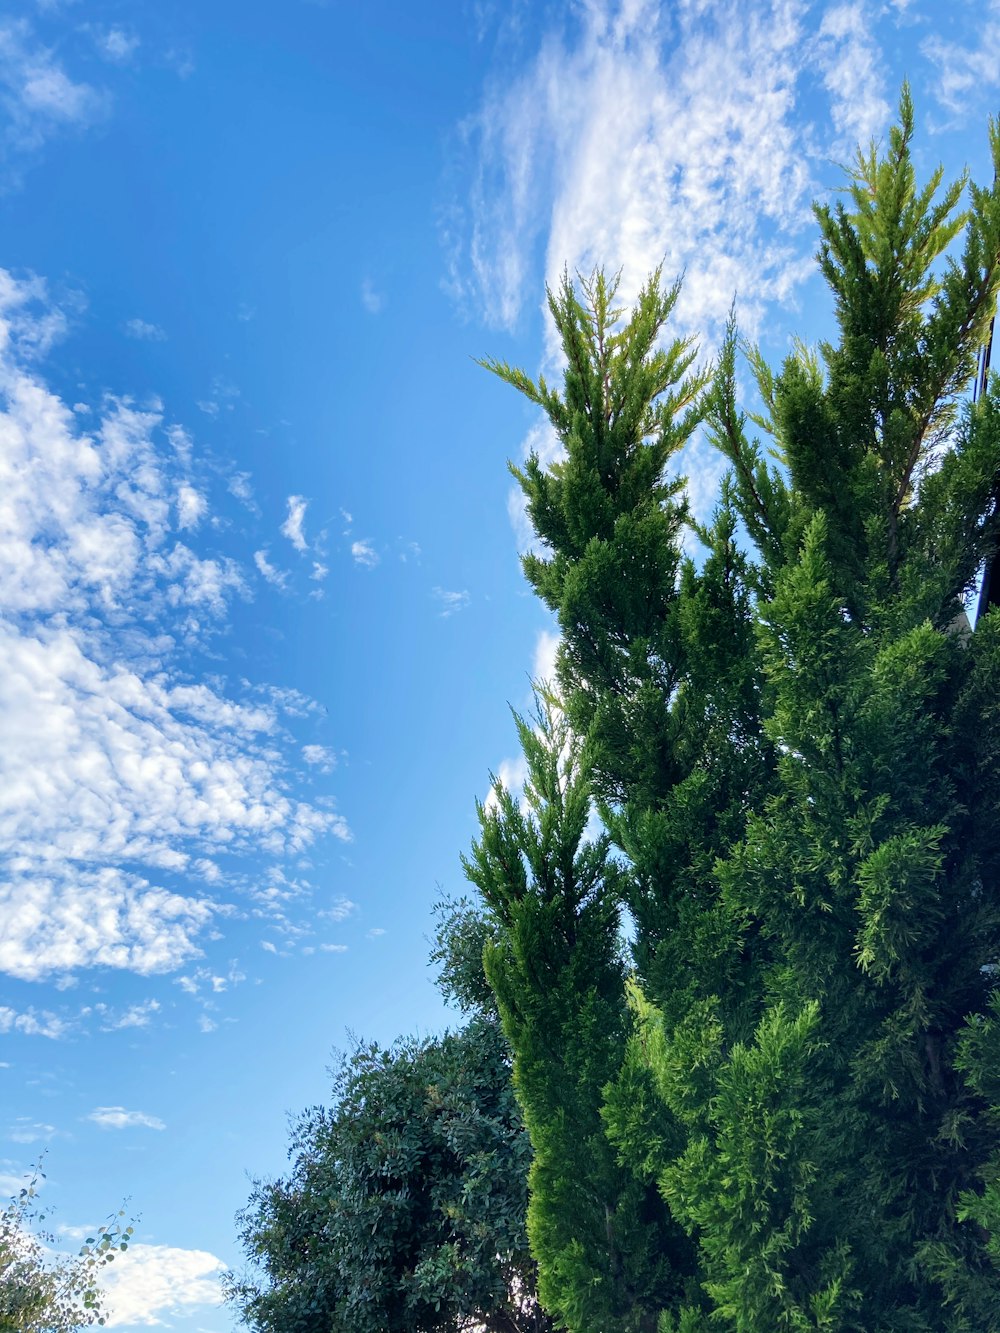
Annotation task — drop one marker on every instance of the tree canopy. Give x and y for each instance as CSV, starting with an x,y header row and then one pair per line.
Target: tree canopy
x,y
777,1108
405,1206
43,1292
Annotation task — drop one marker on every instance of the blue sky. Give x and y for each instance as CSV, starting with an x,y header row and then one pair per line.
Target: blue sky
x,y
260,604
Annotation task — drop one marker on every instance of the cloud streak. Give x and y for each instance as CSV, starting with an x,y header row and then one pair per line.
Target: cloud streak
x,y
38,97
451,601
277,578
116,1117
292,526
644,132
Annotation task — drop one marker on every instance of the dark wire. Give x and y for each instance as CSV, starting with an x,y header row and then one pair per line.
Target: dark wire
x,y
989,592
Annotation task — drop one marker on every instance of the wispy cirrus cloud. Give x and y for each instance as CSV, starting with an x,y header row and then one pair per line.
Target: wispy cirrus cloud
x,y
639,133
635,133
853,70
450,601
143,331
27,1131
966,63
39,98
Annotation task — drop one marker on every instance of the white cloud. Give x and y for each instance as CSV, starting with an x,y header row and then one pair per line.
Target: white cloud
x,y
512,774
77,1233
319,572
116,1117
155,1284
276,577
101,765
645,132
204,979
142,331
319,756
288,700
967,74
334,948
38,96
703,466
450,602
340,910
135,1016
224,396
191,506
26,1132
853,73
203,585
543,668
117,45
372,300
239,486
118,777
364,554
31,323
292,526
55,920
31,1023
542,441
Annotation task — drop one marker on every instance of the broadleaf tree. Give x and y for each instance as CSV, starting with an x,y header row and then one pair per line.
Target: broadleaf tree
x,y
404,1209
41,1290
793,741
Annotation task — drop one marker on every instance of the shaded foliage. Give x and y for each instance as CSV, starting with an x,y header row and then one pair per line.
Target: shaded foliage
x,y
404,1209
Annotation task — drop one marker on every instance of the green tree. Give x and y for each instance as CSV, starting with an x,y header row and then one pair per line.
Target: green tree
x,y
795,745
41,1292
608,1256
405,1206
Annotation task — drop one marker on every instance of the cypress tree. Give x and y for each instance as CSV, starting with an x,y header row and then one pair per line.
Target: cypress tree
x,y
794,745
608,1255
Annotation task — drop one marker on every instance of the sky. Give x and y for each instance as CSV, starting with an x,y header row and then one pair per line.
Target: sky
x,y
261,611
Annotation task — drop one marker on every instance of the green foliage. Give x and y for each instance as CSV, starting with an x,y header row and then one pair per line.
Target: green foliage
x,y
44,1293
557,971
405,1206
610,518
794,744
462,935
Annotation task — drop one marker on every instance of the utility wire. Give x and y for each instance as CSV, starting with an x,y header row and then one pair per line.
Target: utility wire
x,y
989,592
